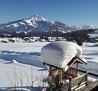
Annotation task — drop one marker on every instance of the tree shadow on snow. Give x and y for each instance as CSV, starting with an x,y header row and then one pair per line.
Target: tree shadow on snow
x,y
25,88
32,58
94,45
88,57
91,67
89,54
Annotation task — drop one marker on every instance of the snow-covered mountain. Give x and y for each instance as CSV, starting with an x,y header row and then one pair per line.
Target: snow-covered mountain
x,y
80,27
35,23
93,34
38,24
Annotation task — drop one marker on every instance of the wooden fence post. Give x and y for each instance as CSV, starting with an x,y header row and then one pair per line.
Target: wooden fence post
x,y
69,87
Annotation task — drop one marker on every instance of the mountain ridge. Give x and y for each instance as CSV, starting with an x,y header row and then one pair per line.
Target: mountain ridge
x,y
38,23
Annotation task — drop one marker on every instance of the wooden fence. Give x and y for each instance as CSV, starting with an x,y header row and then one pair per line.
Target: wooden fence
x,y
77,82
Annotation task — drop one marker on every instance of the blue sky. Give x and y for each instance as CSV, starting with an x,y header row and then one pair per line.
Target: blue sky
x,y
71,12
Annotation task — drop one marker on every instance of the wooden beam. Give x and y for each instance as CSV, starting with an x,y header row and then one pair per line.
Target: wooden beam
x,y
90,86
52,66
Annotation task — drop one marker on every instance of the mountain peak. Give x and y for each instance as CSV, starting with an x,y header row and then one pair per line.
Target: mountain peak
x,y
32,21
37,18
38,23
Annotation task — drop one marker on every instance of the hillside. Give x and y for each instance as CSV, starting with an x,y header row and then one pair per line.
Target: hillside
x,y
40,26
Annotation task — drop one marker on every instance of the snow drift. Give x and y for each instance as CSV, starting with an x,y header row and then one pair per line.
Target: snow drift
x,y
60,53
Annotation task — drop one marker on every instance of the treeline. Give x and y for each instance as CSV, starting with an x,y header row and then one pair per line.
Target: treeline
x,y
31,34
79,35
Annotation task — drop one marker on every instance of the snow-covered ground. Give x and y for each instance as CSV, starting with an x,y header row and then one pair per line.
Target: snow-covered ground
x,y
20,64
90,52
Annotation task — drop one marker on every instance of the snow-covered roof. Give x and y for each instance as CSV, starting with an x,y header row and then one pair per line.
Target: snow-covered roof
x,y
60,53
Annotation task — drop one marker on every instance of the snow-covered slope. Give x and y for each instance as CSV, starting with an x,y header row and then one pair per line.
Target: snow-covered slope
x,y
93,34
20,64
34,23
80,27
39,24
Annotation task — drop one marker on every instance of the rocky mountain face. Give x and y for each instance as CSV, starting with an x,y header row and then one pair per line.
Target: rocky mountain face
x,y
38,24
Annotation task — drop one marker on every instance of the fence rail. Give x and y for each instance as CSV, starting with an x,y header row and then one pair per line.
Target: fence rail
x,y
77,82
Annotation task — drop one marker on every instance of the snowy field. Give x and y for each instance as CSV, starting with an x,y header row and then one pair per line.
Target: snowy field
x,y
20,64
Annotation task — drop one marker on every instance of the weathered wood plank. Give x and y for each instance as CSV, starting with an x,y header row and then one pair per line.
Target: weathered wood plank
x,y
90,86
79,81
